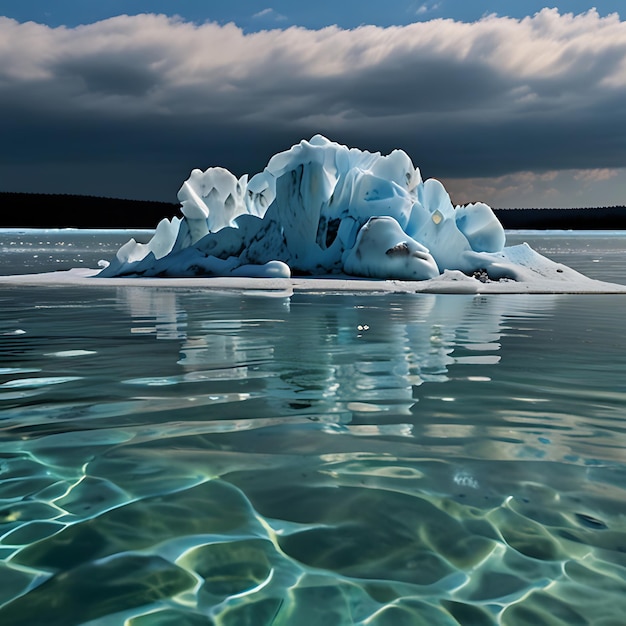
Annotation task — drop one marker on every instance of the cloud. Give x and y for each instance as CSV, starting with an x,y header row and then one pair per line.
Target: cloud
x,y
596,175
481,99
562,188
270,13
427,8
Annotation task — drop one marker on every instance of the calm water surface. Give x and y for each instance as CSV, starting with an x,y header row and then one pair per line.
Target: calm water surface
x,y
193,457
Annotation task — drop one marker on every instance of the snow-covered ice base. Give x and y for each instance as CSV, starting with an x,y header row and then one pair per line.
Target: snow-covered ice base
x,y
342,217
451,281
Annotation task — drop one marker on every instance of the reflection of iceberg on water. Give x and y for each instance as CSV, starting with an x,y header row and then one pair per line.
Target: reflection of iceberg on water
x,y
329,356
321,208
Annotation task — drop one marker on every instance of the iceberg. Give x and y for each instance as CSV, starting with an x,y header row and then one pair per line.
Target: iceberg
x,y
322,217
320,209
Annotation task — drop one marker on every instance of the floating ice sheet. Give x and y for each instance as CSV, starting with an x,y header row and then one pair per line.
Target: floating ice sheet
x,y
568,281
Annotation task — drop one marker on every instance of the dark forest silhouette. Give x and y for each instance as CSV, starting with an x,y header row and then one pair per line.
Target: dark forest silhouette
x,y
598,218
38,210
34,210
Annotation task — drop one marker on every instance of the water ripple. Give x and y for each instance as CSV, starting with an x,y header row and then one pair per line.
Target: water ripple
x,y
262,461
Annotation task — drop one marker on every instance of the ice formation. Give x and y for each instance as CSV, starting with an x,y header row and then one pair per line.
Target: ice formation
x,y
321,208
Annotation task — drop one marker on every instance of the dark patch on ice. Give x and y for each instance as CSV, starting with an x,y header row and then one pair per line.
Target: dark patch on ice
x,y
400,249
483,276
331,231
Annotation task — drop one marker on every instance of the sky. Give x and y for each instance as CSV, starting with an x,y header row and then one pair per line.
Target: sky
x,y
516,104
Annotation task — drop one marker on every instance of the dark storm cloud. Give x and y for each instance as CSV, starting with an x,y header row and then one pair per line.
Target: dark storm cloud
x,y
108,76
144,99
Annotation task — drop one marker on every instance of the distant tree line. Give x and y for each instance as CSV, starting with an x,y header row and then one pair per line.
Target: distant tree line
x,y
36,210
599,218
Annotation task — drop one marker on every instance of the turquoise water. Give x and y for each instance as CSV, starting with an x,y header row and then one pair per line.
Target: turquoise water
x,y
191,457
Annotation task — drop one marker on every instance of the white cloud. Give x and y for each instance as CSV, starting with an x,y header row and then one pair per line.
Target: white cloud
x,y
547,62
427,8
270,13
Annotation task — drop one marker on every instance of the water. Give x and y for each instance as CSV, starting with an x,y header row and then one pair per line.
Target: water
x,y
189,457
29,251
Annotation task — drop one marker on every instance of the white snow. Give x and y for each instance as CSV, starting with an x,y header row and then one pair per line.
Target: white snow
x,y
544,279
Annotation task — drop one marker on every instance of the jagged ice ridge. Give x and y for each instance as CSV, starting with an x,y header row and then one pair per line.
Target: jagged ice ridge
x,y
321,208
